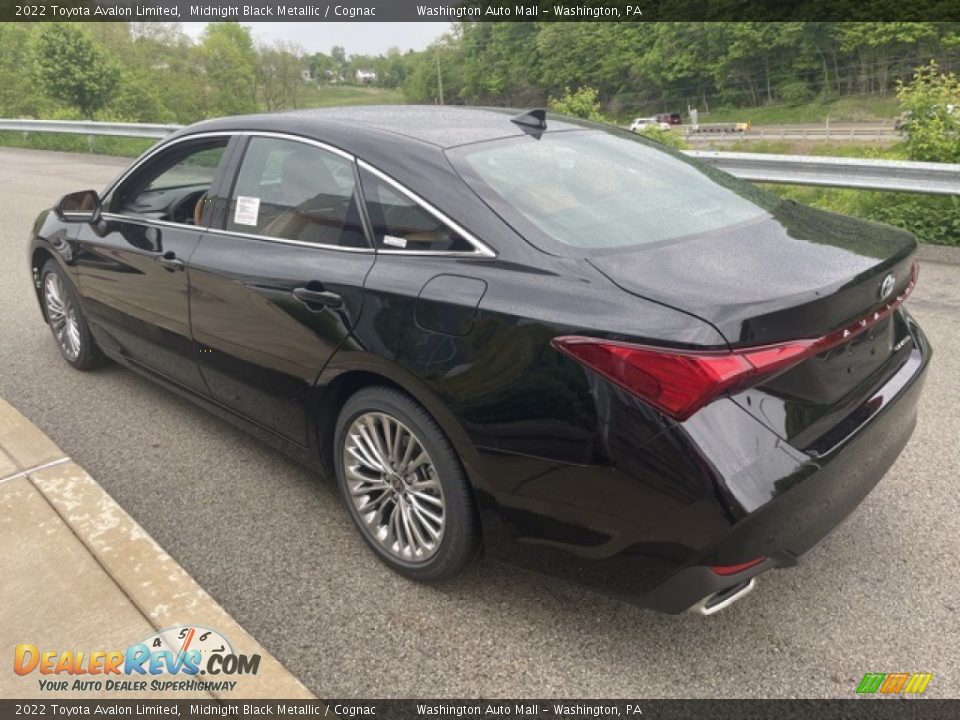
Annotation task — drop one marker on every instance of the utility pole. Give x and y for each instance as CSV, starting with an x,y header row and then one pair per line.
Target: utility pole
x,y
439,74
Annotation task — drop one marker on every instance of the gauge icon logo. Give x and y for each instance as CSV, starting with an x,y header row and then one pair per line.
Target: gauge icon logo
x,y
182,639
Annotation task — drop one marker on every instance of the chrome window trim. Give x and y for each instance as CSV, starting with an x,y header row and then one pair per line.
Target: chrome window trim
x,y
159,147
284,241
298,138
227,134
480,248
150,221
230,233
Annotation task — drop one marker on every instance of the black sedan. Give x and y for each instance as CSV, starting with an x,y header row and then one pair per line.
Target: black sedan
x,y
550,340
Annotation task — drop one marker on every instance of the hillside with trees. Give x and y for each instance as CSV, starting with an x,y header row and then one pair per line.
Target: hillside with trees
x,y
154,72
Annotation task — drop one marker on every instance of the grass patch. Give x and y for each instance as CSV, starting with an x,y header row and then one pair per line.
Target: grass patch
x,y
934,219
98,145
843,110
335,95
896,151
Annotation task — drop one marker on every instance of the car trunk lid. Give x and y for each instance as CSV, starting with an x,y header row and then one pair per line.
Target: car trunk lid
x,y
794,274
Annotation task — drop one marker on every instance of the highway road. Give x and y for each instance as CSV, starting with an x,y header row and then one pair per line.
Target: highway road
x,y
271,542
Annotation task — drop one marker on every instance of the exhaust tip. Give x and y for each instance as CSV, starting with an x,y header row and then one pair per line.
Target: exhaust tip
x,y
724,598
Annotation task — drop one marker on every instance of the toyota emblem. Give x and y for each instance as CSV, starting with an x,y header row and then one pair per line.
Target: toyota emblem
x,y
886,287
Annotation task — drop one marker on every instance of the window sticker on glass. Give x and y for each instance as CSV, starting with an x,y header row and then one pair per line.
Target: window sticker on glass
x,y
248,210
394,241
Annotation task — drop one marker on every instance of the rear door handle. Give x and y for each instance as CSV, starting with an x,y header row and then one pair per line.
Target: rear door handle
x,y
170,261
317,297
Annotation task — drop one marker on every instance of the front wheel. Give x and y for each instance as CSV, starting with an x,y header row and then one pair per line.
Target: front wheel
x,y
66,320
404,485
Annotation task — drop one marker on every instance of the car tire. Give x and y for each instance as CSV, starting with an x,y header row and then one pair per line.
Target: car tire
x,y
61,306
396,508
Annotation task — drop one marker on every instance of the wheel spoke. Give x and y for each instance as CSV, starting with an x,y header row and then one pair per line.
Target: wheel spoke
x,y
432,499
366,487
412,444
418,462
426,512
399,435
372,447
392,484
410,541
428,484
397,543
61,316
424,523
372,503
73,333
373,437
416,525
387,429
361,452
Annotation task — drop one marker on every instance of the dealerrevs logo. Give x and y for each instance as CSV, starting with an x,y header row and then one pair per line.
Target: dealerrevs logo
x,y
171,660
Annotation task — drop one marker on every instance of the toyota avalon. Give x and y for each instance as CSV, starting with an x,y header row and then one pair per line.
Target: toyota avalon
x,y
552,341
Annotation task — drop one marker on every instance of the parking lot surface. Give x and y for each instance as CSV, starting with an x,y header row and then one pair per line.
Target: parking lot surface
x,y
270,541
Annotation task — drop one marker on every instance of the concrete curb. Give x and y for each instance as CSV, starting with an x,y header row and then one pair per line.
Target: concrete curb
x,y
152,582
940,254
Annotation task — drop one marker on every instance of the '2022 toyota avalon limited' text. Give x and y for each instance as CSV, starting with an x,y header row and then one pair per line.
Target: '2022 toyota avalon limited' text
x,y
554,340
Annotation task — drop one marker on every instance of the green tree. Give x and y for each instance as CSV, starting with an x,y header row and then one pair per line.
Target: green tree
x,y
137,99
422,83
581,103
931,107
165,63
338,56
19,94
319,64
669,138
73,69
501,63
279,75
230,62
393,69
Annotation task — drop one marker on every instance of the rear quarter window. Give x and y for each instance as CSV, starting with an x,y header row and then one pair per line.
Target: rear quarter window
x,y
597,190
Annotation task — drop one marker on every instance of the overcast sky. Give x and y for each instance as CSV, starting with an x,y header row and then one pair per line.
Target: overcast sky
x,y
360,38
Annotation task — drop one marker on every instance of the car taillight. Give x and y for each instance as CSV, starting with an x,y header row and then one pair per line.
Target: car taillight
x,y
680,382
677,382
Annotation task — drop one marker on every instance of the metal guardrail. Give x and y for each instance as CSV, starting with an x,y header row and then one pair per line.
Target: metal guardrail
x,y
858,173
878,134
81,127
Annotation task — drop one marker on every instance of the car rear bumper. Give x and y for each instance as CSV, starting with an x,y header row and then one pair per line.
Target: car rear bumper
x,y
787,527
649,526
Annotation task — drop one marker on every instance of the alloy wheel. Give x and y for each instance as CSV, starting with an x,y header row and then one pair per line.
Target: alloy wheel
x,y
62,316
394,487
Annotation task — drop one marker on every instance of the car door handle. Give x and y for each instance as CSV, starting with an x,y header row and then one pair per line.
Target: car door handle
x,y
317,297
170,261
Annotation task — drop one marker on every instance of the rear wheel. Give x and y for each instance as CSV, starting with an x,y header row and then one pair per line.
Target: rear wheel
x,y
404,486
66,320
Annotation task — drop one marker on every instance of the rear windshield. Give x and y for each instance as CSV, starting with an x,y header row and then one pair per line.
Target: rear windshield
x,y
598,190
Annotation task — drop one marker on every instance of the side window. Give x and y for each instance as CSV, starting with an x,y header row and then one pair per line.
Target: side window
x,y
172,186
295,191
399,223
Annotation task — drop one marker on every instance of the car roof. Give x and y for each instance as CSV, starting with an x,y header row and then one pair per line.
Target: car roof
x,y
441,126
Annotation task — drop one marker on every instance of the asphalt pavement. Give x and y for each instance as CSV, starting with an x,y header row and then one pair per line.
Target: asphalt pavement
x,y
270,541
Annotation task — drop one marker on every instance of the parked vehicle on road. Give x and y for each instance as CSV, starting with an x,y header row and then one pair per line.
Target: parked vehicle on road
x,y
554,341
645,123
670,118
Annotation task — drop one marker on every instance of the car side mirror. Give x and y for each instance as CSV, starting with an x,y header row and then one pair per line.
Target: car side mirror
x,y
79,207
